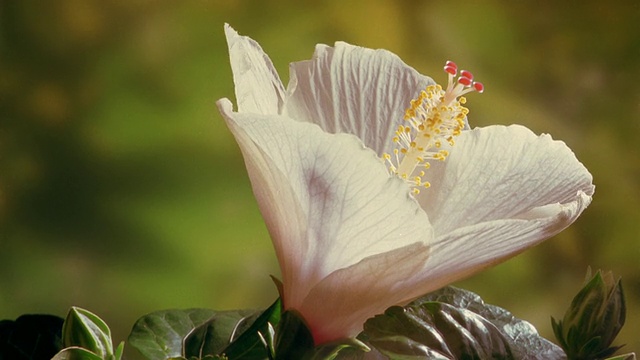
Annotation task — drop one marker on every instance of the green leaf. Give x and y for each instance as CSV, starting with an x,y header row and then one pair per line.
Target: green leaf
x,y
84,329
214,335
436,330
293,338
248,344
76,353
630,356
119,350
200,333
31,337
159,335
344,349
524,340
594,319
455,323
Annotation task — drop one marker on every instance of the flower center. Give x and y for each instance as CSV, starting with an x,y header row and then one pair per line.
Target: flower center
x,y
436,116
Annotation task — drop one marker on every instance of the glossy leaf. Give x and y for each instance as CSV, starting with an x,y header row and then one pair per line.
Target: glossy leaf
x,y
214,335
202,333
348,349
31,337
159,335
523,337
630,356
76,353
246,342
84,329
453,323
436,330
594,319
293,339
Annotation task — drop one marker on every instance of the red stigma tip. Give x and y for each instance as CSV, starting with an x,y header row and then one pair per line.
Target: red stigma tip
x,y
466,74
451,70
464,81
478,86
451,64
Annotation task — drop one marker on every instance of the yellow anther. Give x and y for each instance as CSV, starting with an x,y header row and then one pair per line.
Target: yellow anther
x,y
432,121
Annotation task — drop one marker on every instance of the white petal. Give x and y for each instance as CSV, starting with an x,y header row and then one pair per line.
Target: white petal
x,y
338,203
339,305
501,173
258,86
354,90
470,249
277,200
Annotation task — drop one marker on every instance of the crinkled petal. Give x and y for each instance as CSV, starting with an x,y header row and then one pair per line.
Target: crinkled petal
x,y
340,304
501,172
258,86
338,203
349,89
467,250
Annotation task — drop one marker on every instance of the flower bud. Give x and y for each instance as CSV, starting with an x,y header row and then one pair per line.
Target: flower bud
x,y
596,315
86,330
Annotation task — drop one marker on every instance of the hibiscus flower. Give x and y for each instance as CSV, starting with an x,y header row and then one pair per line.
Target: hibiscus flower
x,y
373,187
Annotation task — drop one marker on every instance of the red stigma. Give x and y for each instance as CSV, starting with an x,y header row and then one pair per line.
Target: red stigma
x,y
451,68
465,81
466,74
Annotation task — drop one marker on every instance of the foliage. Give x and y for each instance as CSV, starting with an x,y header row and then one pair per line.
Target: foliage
x,y
30,337
453,323
87,337
447,324
594,319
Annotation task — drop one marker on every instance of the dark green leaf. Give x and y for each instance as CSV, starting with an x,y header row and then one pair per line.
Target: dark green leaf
x,y
436,330
594,319
630,356
352,349
31,337
213,336
525,342
86,330
206,357
248,343
192,333
159,335
76,353
293,338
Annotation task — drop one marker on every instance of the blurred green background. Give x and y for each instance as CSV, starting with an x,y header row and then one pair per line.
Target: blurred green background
x,y
122,191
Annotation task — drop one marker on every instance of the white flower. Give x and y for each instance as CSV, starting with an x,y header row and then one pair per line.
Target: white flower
x,y
351,236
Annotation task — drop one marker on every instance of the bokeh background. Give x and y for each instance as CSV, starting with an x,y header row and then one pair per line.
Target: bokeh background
x,y
122,191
